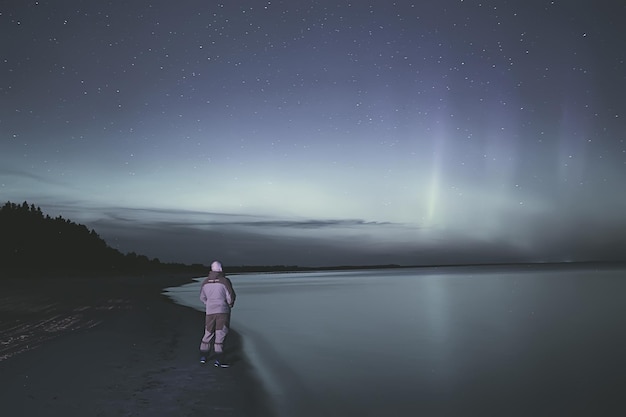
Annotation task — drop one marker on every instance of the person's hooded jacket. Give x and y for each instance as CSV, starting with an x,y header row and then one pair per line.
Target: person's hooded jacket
x,y
217,294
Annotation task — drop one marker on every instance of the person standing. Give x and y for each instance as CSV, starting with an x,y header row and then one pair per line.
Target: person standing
x,y
218,296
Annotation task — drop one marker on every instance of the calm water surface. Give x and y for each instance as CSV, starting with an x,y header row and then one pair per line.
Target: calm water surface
x,y
435,342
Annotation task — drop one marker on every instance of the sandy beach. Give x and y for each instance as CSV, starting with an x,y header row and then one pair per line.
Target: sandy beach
x,y
113,346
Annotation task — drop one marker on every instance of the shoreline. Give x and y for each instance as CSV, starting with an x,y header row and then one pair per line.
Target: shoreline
x,y
114,346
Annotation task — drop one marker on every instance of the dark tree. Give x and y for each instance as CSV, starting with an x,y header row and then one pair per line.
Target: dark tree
x,y
28,239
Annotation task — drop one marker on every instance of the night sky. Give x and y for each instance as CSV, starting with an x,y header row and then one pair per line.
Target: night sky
x,y
321,132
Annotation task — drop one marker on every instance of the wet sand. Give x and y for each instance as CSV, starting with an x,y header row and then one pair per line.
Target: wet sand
x,y
114,346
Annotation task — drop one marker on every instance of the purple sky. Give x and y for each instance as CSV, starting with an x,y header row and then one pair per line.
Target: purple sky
x,y
319,132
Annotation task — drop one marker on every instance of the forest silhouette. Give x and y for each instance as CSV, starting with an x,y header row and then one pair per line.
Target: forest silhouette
x,y
34,241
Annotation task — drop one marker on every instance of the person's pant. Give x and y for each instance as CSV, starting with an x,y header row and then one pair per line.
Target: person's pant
x,y
215,331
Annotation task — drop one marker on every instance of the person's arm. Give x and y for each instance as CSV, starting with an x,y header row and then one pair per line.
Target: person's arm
x,y
229,299
230,293
202,295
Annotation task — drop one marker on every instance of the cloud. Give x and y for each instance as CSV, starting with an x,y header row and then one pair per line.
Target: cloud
x,y
240,239
248,240
198,219
20,174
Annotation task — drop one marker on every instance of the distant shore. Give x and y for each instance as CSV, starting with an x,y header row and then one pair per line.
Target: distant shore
x,y
113,346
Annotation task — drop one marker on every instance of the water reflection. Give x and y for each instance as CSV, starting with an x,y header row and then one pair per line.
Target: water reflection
x,y
405,342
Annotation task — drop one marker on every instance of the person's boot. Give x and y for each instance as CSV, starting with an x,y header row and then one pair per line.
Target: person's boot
x,y
220,362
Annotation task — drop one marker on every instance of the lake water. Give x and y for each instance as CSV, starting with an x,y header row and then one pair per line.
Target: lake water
x,y
515,341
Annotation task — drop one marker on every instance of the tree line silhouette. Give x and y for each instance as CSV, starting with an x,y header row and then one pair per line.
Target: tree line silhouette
x,y
30,239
